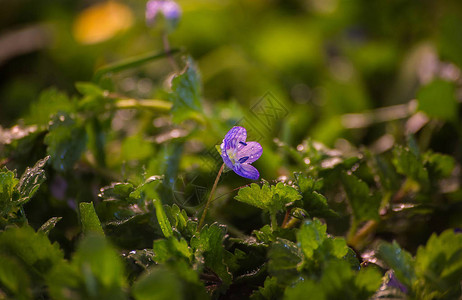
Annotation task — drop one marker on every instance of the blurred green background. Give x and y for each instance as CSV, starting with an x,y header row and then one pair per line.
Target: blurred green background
x,y
321,58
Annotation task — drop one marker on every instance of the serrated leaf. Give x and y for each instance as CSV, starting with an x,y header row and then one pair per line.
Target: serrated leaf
x,y
180,221
66,141
8,182
338,281
31,180
438,264
89,218
209,243
265,234
408,164
186,95
399,260
269,198
364,204
171,248
117,191
49,225
439,165
311,236
283,195
256,196
284,257
313,202
270,290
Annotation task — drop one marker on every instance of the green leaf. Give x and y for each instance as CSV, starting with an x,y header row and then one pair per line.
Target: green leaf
x,y
14,279
338,281
143,258
164,223
31,180
119,191
32,249
8,182
283,195
89,218
368,279
96,272
438,265
313,201
89,89
158,283
439,165
438,100
270,290
310,236
256,196
136,148
364,204
408,164
209,244
50,102
171,248
319,248
284,257
180,221
265,234
186,95
268,198
399,260
384,169
49,225
66,140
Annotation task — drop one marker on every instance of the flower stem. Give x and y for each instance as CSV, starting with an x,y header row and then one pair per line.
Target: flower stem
x,y
167,50
210,196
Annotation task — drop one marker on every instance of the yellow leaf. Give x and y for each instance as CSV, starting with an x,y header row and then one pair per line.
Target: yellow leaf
x,y
101,22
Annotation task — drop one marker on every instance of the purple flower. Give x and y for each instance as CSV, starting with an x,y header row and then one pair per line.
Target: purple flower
x,y
169,9
238,154
394,282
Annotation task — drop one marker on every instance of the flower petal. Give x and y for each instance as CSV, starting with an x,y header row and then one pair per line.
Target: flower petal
x,y
234,136
225,157
252,149
247,171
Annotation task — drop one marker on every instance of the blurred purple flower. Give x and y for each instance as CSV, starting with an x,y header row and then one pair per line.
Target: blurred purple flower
x,y
238,154
394,282
169,9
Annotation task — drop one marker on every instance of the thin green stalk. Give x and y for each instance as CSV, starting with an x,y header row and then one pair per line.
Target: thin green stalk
x,y
130,63
274,221
168,51
151,104
210,196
